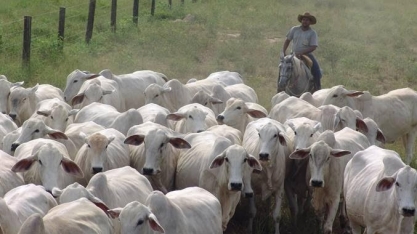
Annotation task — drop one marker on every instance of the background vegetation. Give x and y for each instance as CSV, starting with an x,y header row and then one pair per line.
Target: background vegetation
x,y
364,45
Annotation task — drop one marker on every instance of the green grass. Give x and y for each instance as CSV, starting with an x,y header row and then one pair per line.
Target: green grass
x,y
364,45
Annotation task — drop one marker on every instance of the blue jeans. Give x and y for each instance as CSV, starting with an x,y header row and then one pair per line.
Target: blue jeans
x,y
315,71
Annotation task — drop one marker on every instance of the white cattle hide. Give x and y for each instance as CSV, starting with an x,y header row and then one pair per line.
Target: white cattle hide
x,y
192,118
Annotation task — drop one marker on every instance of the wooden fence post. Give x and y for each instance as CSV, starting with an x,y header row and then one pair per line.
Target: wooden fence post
x,y
61,28
90,22
135,11
113,15
27,31
153,7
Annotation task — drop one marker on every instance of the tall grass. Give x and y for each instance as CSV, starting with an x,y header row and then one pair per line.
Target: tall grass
x,y
364,45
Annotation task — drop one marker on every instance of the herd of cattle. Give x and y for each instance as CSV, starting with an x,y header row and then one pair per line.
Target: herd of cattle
x,y
138,153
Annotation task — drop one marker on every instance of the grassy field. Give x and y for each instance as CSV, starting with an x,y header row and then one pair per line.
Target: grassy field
x,y
364,45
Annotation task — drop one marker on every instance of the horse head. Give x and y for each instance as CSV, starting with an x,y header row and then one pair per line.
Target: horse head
x,y
285,69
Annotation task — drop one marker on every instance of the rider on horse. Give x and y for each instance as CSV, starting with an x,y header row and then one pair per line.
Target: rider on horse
x,y
305,41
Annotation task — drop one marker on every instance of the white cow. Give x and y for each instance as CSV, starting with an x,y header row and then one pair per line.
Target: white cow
x,y
9,139
74,132
100,90
103,150
23,101
46,162
56,113
157,156
114,188
326,167
35,128
238,113
6,126
80,216
217,165
154,113
394,112
109,117
131,85
226,77
374,134
9,178
331,117
20,203
174,94
5,87
187,211
302,133
266,139
192,118
380,192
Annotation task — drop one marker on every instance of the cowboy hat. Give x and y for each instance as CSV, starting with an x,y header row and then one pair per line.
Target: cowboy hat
x,y
307,15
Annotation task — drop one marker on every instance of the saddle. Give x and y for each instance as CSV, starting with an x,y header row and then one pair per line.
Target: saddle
x,y
307,61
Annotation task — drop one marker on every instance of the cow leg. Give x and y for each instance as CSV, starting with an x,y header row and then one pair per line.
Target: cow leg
x,y
331,214
343,218
356,228
277,208
252,213
292,203
409,140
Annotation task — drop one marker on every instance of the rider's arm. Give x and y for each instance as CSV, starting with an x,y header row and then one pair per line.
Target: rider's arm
x,y
285,46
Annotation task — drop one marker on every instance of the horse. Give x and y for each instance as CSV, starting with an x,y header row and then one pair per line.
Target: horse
x,y
295,77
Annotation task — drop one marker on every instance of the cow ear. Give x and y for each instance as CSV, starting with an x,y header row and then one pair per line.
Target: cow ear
x,y
55,134
45,113
106,92
281,138
93,76
291,125
134,140
385,184
214,100
317,127
218,161
154,224
179,143
256,113
34,88
77,99
56,192
73,112
100,204
166,89
254,163
380,136
339,153
114,213
24,164
175,116
361,125
17,84
71,167
300,154
354,93
111,138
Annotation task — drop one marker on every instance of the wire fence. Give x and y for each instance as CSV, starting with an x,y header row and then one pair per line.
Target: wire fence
x,y
41,33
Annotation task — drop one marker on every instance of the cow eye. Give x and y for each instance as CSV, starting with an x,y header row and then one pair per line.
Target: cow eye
x,y
75,81
275,135
66,119
244,160
156,97
52,117
106,146
238,108
190,116
37,130
334,95
140,222
40,162
162,144
311,135
205,103
295,133
227,160
397,184
88,145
